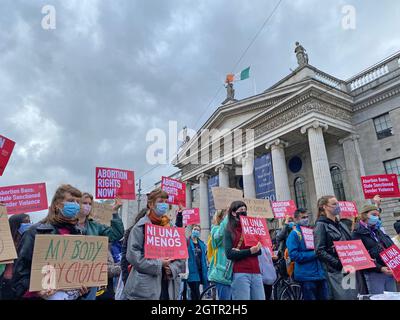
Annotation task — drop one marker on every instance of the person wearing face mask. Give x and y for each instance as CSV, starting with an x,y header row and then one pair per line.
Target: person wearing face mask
x,y
61,219
197,263
283,234
247,281
308,270
328,229
152,279
380,278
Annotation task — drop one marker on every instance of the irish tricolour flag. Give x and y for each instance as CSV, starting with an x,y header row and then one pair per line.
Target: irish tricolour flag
x,y
244,74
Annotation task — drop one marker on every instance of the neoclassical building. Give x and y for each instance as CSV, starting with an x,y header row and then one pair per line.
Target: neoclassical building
x,y
314,135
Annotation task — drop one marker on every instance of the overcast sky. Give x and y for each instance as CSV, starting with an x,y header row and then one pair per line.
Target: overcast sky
x,y
86,93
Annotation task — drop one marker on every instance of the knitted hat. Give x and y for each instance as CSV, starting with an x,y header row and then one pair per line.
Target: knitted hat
x,y
368,208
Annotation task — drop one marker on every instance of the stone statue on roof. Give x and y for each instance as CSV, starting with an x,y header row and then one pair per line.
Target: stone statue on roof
x,y
301,55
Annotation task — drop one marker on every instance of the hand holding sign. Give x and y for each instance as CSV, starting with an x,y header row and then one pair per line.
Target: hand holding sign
x,y
256,248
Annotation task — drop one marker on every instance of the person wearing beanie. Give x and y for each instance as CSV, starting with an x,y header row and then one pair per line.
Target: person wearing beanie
x,y
396,239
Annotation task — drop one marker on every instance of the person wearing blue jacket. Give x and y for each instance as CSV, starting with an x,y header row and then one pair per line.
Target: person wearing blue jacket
x,y
308,270
197,263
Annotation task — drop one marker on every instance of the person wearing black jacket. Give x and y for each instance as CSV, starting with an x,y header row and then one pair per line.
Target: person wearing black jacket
x,y
380,278
328,229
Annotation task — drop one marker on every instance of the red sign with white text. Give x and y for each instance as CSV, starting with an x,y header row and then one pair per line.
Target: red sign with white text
x,y
191,216
281,209
165,242
308,236
113,183
348,209
255,230
386,185
391,257
6,148
176,191
353,255
24,198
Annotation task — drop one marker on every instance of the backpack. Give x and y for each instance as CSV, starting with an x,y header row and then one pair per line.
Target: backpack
x,y
289,263
211,252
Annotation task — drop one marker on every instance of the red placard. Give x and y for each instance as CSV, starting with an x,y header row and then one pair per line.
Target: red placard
x,y
165,242
348,209
191,216
6,148
112,183
386,185
176,191
353,255
24,198
255,230
391,257
281,209
308,236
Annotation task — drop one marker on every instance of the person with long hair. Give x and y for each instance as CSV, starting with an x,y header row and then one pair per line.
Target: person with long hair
x,y
247,282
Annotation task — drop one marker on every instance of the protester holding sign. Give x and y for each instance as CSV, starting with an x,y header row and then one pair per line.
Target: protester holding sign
x,y
328,229
152,279
247,282
308,270
378,279
283,234
61,219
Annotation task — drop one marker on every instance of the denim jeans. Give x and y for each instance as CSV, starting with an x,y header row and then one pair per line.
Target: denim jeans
x,y
378,282
224,291
315,290
247,286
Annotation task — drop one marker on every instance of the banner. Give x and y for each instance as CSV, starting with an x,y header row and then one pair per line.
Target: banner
x,y
212,182
176,191
7,248
391,257
68,262
386,185
6,148
24,198
165,242
191,216
102,212
113,183
258,208
264,177
348,210
353,255
308,236
281,209
223,197
255,230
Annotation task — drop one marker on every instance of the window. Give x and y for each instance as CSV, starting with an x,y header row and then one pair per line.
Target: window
x,y
393,166
383,126
300,193
337,182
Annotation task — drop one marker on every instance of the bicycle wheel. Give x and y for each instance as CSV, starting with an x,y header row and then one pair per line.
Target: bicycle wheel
x,y
210,293
277,288
291,291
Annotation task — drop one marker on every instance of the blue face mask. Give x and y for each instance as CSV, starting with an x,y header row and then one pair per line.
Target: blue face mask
x,y
379,224
373,220
291,225
161,208
304,222
195,233
336,211
23,227
70,210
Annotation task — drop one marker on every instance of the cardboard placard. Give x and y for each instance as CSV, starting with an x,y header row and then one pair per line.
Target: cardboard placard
x,y
353,255
391,257
223,197
6,148
176,191
191,216
281,209
102,212
308,236
255,230
258,208
24,198
165,242
386,185
7,248
69,262
348,210
113,183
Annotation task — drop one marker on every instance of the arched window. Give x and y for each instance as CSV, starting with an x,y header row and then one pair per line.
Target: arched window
x,y
337,182
300,193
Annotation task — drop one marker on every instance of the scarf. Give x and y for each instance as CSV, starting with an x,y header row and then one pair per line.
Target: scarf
x,y
160,221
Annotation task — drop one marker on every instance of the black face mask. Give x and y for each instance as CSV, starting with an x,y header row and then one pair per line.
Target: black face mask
x,y
238,214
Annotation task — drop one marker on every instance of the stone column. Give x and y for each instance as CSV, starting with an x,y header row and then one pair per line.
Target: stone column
x,y
249,186
188,195
319,158
204,214
223,175
282,189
